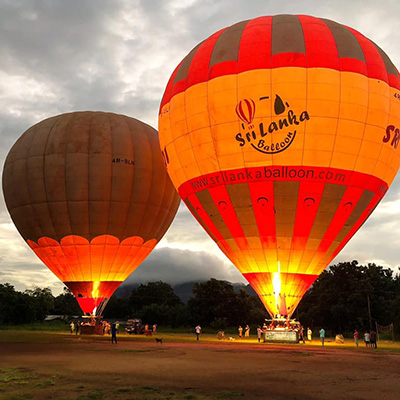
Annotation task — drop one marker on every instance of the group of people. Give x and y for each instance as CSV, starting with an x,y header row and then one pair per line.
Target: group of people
x,y
75,327
261,331
246,332
107,329
369,338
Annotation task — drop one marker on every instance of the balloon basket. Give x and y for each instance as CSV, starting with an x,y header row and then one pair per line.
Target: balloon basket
x,y
282,330
91,330
92,326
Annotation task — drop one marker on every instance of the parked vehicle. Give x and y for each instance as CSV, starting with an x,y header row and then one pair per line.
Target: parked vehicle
x,y
134,326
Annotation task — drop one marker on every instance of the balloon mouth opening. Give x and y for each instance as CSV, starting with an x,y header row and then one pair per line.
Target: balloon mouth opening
x,y
93,296
92,306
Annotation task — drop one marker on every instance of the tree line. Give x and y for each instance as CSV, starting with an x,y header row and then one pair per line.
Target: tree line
x,y
345,297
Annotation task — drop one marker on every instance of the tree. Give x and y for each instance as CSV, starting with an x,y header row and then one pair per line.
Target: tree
x,y
159,293
42,301
66,304
216,303
338,299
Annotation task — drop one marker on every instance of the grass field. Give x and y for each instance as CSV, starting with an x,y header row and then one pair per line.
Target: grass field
x,y
58,365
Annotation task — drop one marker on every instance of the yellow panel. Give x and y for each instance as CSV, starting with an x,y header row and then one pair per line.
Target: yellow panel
x,y
365,164
198,121
369,149
294,157
196,99
374,134
201,136
182,143
288,74
221,84
323,108
254,158
351,129
323,91
188,160
254,84
223,113
319,142
343,161
317,158
323,75
165,133
348,145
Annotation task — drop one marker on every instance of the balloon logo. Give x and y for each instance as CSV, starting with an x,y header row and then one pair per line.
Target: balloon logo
x,y
89,193
246,110
300,183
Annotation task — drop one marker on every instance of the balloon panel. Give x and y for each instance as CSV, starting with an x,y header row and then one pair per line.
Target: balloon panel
x,y
280,135
89,193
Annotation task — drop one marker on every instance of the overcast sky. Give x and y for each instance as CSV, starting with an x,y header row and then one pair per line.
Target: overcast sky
x,y
58,56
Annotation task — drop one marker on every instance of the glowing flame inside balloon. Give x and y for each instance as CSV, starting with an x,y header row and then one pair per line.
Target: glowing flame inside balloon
x,y
277,285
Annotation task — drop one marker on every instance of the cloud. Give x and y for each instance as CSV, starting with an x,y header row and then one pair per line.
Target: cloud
x,y
178,266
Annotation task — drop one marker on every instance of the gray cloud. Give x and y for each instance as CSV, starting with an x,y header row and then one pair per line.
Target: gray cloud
x,y
178,266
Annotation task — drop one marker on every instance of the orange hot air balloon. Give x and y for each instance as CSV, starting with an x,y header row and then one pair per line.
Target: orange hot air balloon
x,y
89,193
282,191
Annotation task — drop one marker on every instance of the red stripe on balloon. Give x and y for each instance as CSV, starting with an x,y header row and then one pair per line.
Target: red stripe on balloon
x,y
225,207
375,65
320,45
308,202
206,222
368,210
255,45
199,68
262,198
344,210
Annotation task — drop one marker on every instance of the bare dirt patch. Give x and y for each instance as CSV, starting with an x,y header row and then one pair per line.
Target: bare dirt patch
x,y
90,368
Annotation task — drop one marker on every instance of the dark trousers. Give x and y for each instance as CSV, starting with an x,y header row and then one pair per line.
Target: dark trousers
x,y
114,339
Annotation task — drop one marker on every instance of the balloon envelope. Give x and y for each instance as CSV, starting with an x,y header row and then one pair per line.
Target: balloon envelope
x,y
89,193
282,135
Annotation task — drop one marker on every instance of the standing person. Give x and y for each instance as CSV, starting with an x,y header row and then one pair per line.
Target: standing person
x,y
114,333
372,338
247,332
322,336
301,334
264,330
117,326
240,329
356,337
78,327
154,329
309,334
72,325
197,331
366,339
259,330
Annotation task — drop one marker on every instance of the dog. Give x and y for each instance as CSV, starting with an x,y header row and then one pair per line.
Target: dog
x,y
159,340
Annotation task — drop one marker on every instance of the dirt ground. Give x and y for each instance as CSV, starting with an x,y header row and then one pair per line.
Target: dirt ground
x,y
91,368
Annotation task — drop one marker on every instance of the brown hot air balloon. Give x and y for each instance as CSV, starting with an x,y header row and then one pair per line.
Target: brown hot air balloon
x,y
89,193
282,135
